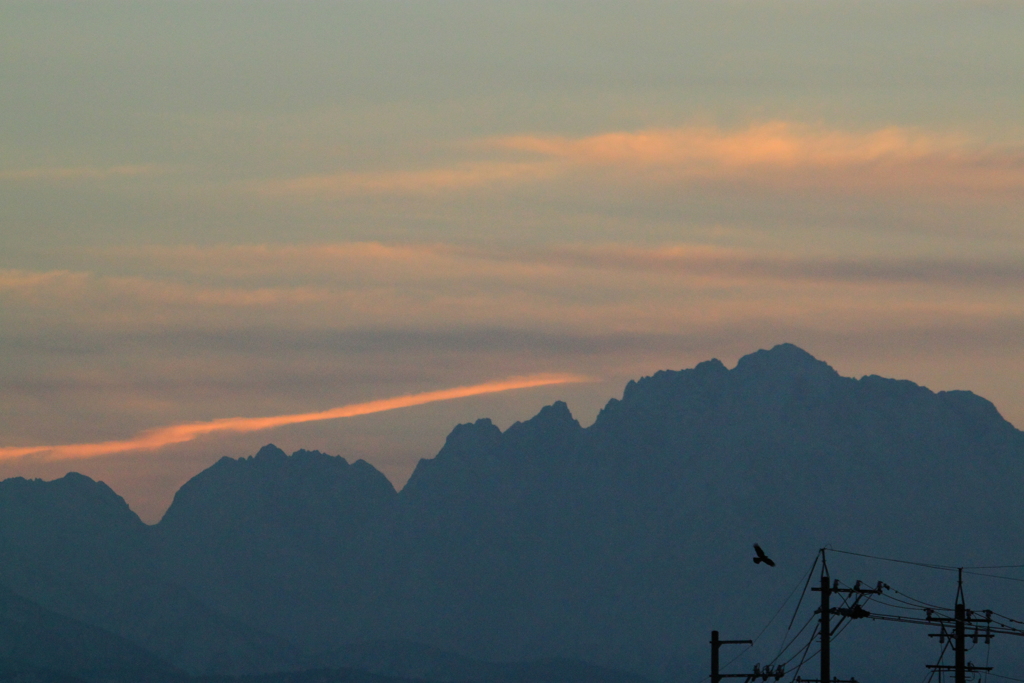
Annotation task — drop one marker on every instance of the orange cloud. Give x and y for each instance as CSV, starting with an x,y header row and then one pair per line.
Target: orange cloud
x,y
773,153
165,436
426,181
771,144
787,154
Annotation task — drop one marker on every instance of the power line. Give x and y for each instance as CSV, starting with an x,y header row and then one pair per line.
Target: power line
x,y
800,601
772,620
995,576
915,600
1006,677
784,603
790,643
803,659
999,566
943,567
1008,618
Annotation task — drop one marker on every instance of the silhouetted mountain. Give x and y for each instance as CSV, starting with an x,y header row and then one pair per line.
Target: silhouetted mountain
x,y
621,544
284,543
73,546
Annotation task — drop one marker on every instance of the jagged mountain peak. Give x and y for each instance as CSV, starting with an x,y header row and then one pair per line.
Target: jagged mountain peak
x,y
269,453
271,482
783,374
553,421
556,412
470,436
480,452
781,357
73,501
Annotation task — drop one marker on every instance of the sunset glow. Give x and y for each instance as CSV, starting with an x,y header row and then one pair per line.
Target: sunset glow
x,y
226,209
164,436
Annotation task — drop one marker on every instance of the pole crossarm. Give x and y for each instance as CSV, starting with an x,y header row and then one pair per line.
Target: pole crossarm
x,y
716,675
925,622
855,590
968,616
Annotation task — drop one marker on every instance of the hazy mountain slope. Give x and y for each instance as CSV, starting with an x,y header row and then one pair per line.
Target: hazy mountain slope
x,y
73,546
292,545
32,637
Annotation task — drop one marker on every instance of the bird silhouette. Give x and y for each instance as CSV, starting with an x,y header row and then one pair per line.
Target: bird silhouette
x,y
761,557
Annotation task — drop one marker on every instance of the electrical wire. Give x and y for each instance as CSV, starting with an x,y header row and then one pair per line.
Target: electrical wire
x,y
1008,618
995,576
988,653
912,599
774,617
942,653
802,594
786,602
733,660
796,674
794,639
998,566
899,604
942,567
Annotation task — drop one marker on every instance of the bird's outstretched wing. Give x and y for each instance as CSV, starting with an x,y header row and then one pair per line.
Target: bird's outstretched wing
x,y
761,557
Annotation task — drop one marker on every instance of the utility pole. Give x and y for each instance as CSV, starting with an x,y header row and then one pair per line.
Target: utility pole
x,y
716,675
961,617
768,671
827,588
960,647
826,636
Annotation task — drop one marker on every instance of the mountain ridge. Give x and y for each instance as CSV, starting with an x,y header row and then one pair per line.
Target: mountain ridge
x,y
620,544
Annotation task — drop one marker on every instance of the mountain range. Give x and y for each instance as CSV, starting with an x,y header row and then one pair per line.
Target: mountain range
x,y
602,553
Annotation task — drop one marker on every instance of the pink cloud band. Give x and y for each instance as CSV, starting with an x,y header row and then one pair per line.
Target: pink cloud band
x,y
164,436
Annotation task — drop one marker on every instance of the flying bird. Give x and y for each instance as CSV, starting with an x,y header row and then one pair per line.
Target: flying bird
x,y
761,557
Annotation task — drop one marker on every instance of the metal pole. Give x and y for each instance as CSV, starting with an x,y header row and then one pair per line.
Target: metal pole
x,y
826,658
961,644
715,677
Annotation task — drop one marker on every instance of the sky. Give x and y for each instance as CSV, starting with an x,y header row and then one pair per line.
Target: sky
x,y
217,210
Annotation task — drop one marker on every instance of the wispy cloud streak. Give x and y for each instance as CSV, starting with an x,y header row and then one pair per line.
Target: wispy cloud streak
x,y
776,144
457,177
778,154
165,436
